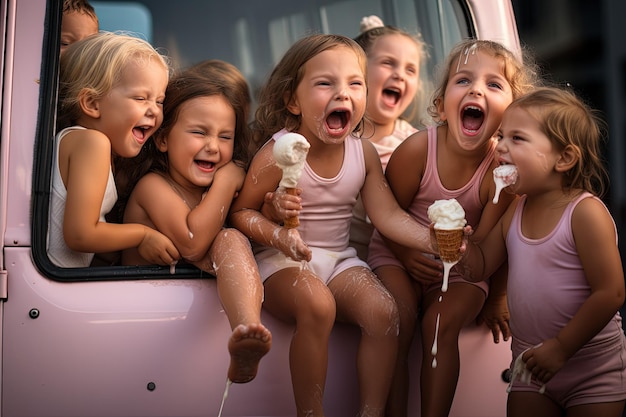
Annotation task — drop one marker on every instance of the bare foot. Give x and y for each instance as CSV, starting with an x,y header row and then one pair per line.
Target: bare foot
x,y
247,345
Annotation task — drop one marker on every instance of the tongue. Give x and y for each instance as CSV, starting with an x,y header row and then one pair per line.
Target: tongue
x,y
471,122
139,133
335,121
390,99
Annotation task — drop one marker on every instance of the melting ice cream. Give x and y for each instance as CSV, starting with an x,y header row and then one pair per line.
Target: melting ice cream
x,y
503,176
290,152
449,219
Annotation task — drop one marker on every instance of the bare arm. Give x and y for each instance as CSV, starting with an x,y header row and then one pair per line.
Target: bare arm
x,y
383,209
85,162
155,203
263,176
404,174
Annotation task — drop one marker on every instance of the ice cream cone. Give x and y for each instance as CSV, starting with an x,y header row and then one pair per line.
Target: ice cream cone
x,y
449,242
291,222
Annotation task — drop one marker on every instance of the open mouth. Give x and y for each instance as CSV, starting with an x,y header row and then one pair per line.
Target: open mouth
x,y
139,132
204,165
472,118
391,96
337,121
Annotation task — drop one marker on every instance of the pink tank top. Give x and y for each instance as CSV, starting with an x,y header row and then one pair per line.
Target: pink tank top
x,y
327,203
547,284
432,189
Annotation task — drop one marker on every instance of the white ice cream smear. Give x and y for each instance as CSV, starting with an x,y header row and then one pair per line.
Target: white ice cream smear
x,y
447,214
503,176
290,152
520,370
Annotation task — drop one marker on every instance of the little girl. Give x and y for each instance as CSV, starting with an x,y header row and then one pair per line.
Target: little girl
x,y
453,159
318,90
566,280
111,91
393,64
189,191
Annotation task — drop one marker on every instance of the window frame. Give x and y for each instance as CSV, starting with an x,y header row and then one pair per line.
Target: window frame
x,y
44,150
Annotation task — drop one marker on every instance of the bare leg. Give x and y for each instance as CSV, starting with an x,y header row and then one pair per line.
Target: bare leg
x,y
241,292
362,300
407,295
524,404
614,409
299,297
459,306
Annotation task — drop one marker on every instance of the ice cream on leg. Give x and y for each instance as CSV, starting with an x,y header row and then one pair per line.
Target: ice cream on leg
x,y
449,220
290,151
503,176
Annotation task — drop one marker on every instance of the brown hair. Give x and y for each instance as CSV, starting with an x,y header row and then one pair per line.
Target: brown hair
x,y
567,121
80,6
272,113
209,78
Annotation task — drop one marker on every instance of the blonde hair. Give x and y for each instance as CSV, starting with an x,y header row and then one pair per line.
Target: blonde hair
x,y
372,29
94,65
522,75
567,121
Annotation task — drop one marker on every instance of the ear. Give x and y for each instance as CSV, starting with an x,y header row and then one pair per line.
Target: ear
x,y
568,158
89,104
160,141
292,105
440,112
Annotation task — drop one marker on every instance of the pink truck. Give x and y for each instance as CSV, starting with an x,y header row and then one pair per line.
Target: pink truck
x,y
137,341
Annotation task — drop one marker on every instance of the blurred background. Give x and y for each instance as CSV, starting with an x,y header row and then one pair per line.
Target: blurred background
x,y
583,43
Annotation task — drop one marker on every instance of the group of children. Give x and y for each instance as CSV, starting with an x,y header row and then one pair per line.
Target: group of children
x,y
368,175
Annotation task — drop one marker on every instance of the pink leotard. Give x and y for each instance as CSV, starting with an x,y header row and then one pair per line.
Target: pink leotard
x,y
546,287
432,189
327,205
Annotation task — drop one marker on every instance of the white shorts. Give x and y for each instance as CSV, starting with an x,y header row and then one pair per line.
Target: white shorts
x,y
324,263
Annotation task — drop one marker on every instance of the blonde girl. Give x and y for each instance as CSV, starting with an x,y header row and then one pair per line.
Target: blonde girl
x,y
111,92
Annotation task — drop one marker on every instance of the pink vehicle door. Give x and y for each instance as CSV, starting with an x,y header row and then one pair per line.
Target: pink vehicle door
x,y
138,341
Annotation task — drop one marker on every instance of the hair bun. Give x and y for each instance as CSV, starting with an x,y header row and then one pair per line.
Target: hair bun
x,y
371,22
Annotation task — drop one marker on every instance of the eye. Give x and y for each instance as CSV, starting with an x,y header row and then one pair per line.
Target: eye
x,y
462,81
499,136
495,85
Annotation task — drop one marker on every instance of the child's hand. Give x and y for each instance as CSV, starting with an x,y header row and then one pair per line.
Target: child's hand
x,y
291,244
495,315
423,268
157,248
545,360
278,205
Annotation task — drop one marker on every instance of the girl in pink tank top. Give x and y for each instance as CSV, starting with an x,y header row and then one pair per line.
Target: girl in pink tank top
x,y
451,160
312,277
566,280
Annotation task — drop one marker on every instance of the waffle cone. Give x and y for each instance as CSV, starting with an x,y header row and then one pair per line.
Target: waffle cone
x,y
291,222
449,242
